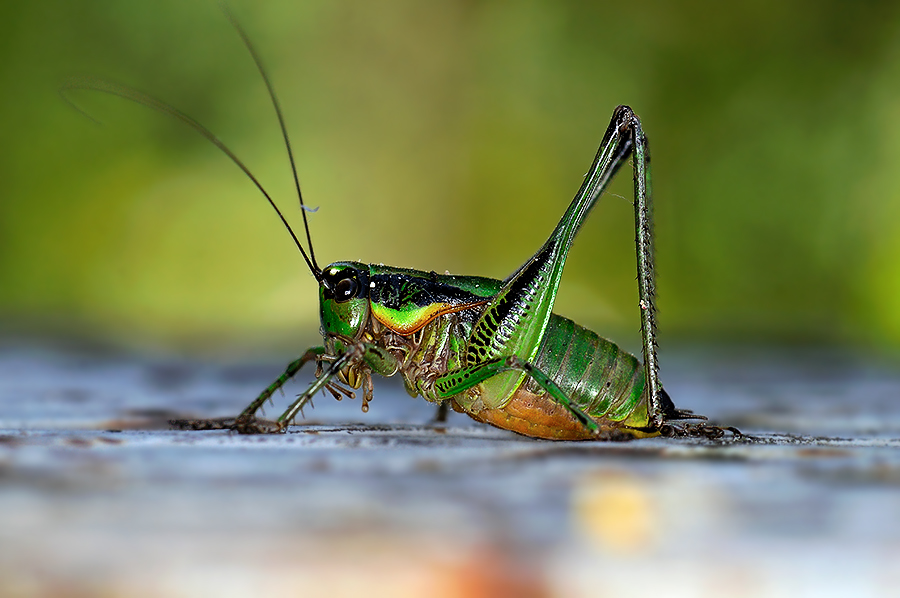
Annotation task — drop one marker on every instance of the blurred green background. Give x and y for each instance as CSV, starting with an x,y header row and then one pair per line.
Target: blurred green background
x,y
451,136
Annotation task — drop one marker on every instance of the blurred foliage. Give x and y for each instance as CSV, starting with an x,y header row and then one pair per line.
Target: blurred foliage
x,y
450,136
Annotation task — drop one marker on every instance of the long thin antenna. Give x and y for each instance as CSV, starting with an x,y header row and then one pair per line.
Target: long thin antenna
x,y
287,141
128,93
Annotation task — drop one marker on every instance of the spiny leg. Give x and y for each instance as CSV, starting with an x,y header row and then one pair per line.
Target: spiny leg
x,y
247,424
646,271
375,359
247,415
312,354
372,355
662,412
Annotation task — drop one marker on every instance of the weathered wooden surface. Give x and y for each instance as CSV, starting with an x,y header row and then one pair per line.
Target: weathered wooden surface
x,y
97,496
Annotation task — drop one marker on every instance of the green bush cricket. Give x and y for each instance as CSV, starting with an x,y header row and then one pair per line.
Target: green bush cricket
x,y
489,348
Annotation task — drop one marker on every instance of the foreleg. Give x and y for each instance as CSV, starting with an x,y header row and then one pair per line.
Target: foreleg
x,y
229,423
374,358
313,354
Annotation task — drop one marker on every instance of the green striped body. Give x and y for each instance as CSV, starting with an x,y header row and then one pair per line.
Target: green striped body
x,y
594,373
596,376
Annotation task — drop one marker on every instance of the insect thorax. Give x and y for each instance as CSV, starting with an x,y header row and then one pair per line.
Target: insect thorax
x,y
428,353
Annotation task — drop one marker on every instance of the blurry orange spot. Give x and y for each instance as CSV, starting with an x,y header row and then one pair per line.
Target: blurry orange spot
x,y
615,512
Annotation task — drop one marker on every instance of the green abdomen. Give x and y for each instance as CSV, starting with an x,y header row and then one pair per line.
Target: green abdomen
x,y
604,381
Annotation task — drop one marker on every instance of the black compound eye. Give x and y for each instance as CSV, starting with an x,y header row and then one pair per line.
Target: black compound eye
x,y
346,289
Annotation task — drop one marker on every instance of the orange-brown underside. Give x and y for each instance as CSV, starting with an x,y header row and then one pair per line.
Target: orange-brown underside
x,y
541,417
533,415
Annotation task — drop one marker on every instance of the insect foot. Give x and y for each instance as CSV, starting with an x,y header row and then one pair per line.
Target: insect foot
x,y
221,423
247,424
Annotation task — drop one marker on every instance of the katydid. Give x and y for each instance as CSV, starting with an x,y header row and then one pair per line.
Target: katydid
x,y
492,349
